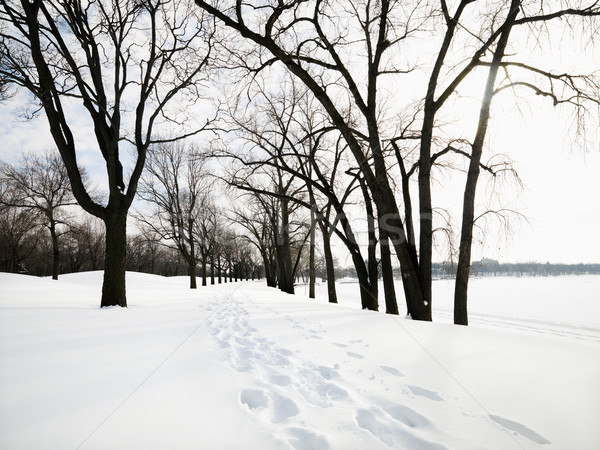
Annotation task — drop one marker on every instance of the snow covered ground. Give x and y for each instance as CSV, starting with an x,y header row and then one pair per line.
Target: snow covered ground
x,y
241,366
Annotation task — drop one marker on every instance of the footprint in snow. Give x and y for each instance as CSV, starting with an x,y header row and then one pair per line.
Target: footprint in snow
x,y
244,341
393,371
407,416
277,407
242,358
390,433
320,393
280,380
327,372
303,439
284,351
355,355
425,393
521,429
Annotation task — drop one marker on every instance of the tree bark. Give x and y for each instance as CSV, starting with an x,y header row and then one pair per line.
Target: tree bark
x,y
113,286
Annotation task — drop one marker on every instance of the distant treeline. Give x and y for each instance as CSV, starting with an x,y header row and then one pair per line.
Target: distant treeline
x,y
491,267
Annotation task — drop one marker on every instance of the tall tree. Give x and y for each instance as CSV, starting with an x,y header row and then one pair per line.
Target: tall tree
x,y
468,217
126,66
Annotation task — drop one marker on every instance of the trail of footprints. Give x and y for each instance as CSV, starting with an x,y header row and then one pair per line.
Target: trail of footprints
x,y
279,369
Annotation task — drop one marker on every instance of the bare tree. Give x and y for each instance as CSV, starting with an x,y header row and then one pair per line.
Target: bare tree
x,y
41,183
174,187
205,230
18,236
492,37
128,66
257,219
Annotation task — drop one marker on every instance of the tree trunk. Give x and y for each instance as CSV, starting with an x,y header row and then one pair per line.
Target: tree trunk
x,y
113,286
371,250
311,256
418,308
203,269
468,217
391,305
219,269
329,266
192,271
366,292
192,258
286,276
55,250
212,268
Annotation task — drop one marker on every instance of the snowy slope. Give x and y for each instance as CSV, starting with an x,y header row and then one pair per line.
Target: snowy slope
x,y
243,366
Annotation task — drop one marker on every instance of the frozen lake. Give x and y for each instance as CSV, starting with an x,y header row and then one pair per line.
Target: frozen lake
x,y
566,306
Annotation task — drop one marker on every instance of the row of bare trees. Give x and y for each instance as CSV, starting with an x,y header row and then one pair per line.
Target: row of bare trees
x,y
181,212
352,57
43,231
322,103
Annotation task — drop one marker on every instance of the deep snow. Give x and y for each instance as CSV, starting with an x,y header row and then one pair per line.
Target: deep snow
x,y
242,366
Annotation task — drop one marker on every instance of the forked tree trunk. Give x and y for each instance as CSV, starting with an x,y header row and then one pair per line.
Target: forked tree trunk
x,y
330,268
367,299
113,286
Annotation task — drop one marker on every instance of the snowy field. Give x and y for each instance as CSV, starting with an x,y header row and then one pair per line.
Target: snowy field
x,y
241,366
